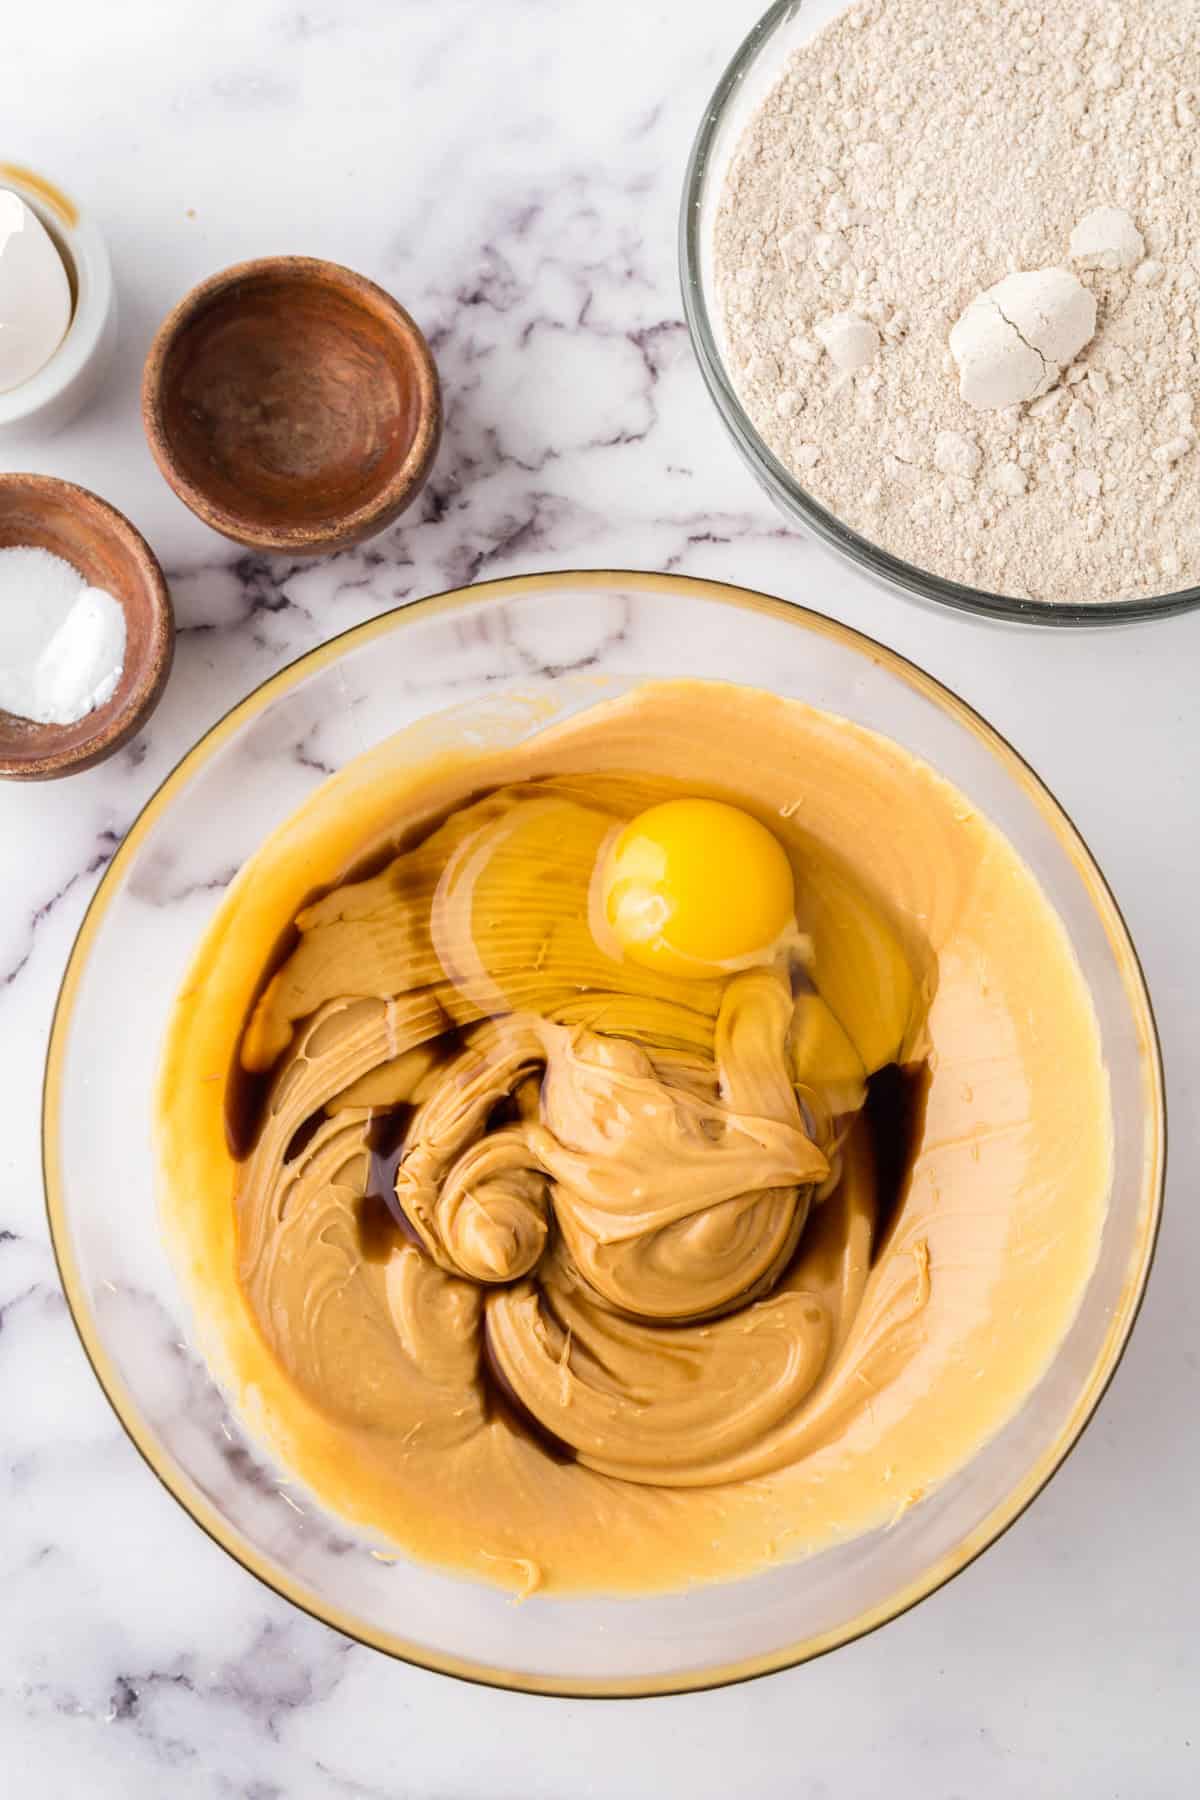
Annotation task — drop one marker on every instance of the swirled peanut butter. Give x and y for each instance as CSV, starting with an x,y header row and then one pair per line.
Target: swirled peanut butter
x,y
574,1269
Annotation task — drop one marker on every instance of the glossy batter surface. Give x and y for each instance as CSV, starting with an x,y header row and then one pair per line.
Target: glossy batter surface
x,y
564,1268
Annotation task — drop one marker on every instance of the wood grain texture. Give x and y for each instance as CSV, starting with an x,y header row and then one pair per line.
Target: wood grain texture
x,y
71,522
293,405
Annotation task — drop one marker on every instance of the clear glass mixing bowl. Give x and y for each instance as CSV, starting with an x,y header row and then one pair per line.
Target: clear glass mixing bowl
x,y
564,641
751,75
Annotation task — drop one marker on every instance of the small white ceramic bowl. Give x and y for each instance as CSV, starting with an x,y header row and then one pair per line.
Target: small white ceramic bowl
x,y
54,396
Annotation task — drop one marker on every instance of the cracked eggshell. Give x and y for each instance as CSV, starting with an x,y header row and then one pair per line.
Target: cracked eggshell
x,y
1012,342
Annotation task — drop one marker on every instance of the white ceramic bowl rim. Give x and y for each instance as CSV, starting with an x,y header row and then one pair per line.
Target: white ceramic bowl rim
x,y
94,302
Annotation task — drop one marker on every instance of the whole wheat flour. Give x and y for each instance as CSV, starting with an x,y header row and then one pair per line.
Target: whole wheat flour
x,y
914,155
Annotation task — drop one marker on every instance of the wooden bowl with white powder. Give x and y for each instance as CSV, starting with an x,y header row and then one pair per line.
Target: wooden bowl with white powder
x,y
80,677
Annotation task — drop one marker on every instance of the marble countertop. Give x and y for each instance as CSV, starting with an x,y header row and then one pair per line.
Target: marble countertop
x,y
511,171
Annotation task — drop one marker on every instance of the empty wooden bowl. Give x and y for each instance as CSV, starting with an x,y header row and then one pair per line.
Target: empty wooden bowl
x,y
293,405
37,511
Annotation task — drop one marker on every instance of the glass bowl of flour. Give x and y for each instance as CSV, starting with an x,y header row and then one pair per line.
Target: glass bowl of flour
x,y
853,229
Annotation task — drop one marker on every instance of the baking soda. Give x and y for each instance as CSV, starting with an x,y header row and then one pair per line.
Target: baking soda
x,y
62,643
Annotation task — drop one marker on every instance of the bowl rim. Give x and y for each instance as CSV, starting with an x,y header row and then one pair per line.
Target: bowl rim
x,y
359,522
94,306
1002,1516
773,475
53,763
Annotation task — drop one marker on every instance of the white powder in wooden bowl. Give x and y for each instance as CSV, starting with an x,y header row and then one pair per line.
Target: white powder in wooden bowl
x,y
62,643
911,157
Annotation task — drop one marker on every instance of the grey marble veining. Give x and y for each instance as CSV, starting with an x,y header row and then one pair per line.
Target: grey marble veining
x,y
511,172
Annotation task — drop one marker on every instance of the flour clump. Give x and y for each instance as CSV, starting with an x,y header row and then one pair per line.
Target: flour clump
x,y
1107,238
1013,342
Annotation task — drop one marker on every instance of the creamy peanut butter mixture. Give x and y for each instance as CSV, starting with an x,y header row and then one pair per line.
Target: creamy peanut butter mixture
x,y
569,1264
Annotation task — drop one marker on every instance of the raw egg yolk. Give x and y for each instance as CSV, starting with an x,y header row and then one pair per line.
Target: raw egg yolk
x,y
695,887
